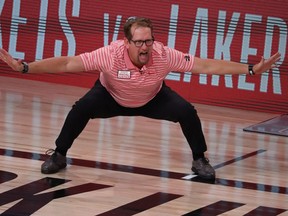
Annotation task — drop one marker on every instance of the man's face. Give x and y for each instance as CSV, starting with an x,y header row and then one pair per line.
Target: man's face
x,y
140,55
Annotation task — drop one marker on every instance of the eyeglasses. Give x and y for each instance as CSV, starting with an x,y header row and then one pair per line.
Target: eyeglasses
x,y
139,43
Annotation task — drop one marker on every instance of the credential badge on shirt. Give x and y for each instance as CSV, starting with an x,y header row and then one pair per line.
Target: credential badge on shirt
x,y
124,74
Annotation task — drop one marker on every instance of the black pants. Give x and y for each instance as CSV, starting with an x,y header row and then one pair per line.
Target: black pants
x,y
166,105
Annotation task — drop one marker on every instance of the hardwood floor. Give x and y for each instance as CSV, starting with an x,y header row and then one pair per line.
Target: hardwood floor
x,y
134,165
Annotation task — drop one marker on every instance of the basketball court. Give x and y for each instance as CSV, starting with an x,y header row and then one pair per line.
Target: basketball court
x,y
134,166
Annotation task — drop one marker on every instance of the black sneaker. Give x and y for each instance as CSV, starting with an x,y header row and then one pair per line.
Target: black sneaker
x,y
54,163
203,169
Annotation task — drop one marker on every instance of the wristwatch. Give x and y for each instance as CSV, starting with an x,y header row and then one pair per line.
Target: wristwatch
x,y
250,70
25,67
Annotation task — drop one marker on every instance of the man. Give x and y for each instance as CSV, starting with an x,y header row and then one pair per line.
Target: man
x,y
131,83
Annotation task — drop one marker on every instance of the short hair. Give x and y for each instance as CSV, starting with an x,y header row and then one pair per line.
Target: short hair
x,y
139,22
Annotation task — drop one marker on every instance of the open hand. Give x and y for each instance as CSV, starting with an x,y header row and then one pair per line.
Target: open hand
x,y
16,65
267,64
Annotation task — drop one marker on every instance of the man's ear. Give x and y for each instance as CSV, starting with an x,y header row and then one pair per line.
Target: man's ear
x,y
126,42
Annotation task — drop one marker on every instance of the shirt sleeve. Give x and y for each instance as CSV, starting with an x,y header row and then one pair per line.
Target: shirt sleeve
x,y
179,61
99,59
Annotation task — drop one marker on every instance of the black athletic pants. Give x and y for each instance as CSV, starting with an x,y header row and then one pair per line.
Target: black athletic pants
x,y
166,105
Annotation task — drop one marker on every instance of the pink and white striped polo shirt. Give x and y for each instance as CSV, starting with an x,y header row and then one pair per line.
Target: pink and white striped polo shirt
x,y
128,85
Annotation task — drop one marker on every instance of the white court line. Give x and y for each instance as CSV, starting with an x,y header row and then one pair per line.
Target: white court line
x,y
189,176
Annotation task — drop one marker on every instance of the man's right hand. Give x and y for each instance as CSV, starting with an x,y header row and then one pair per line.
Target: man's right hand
x,y
16,65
